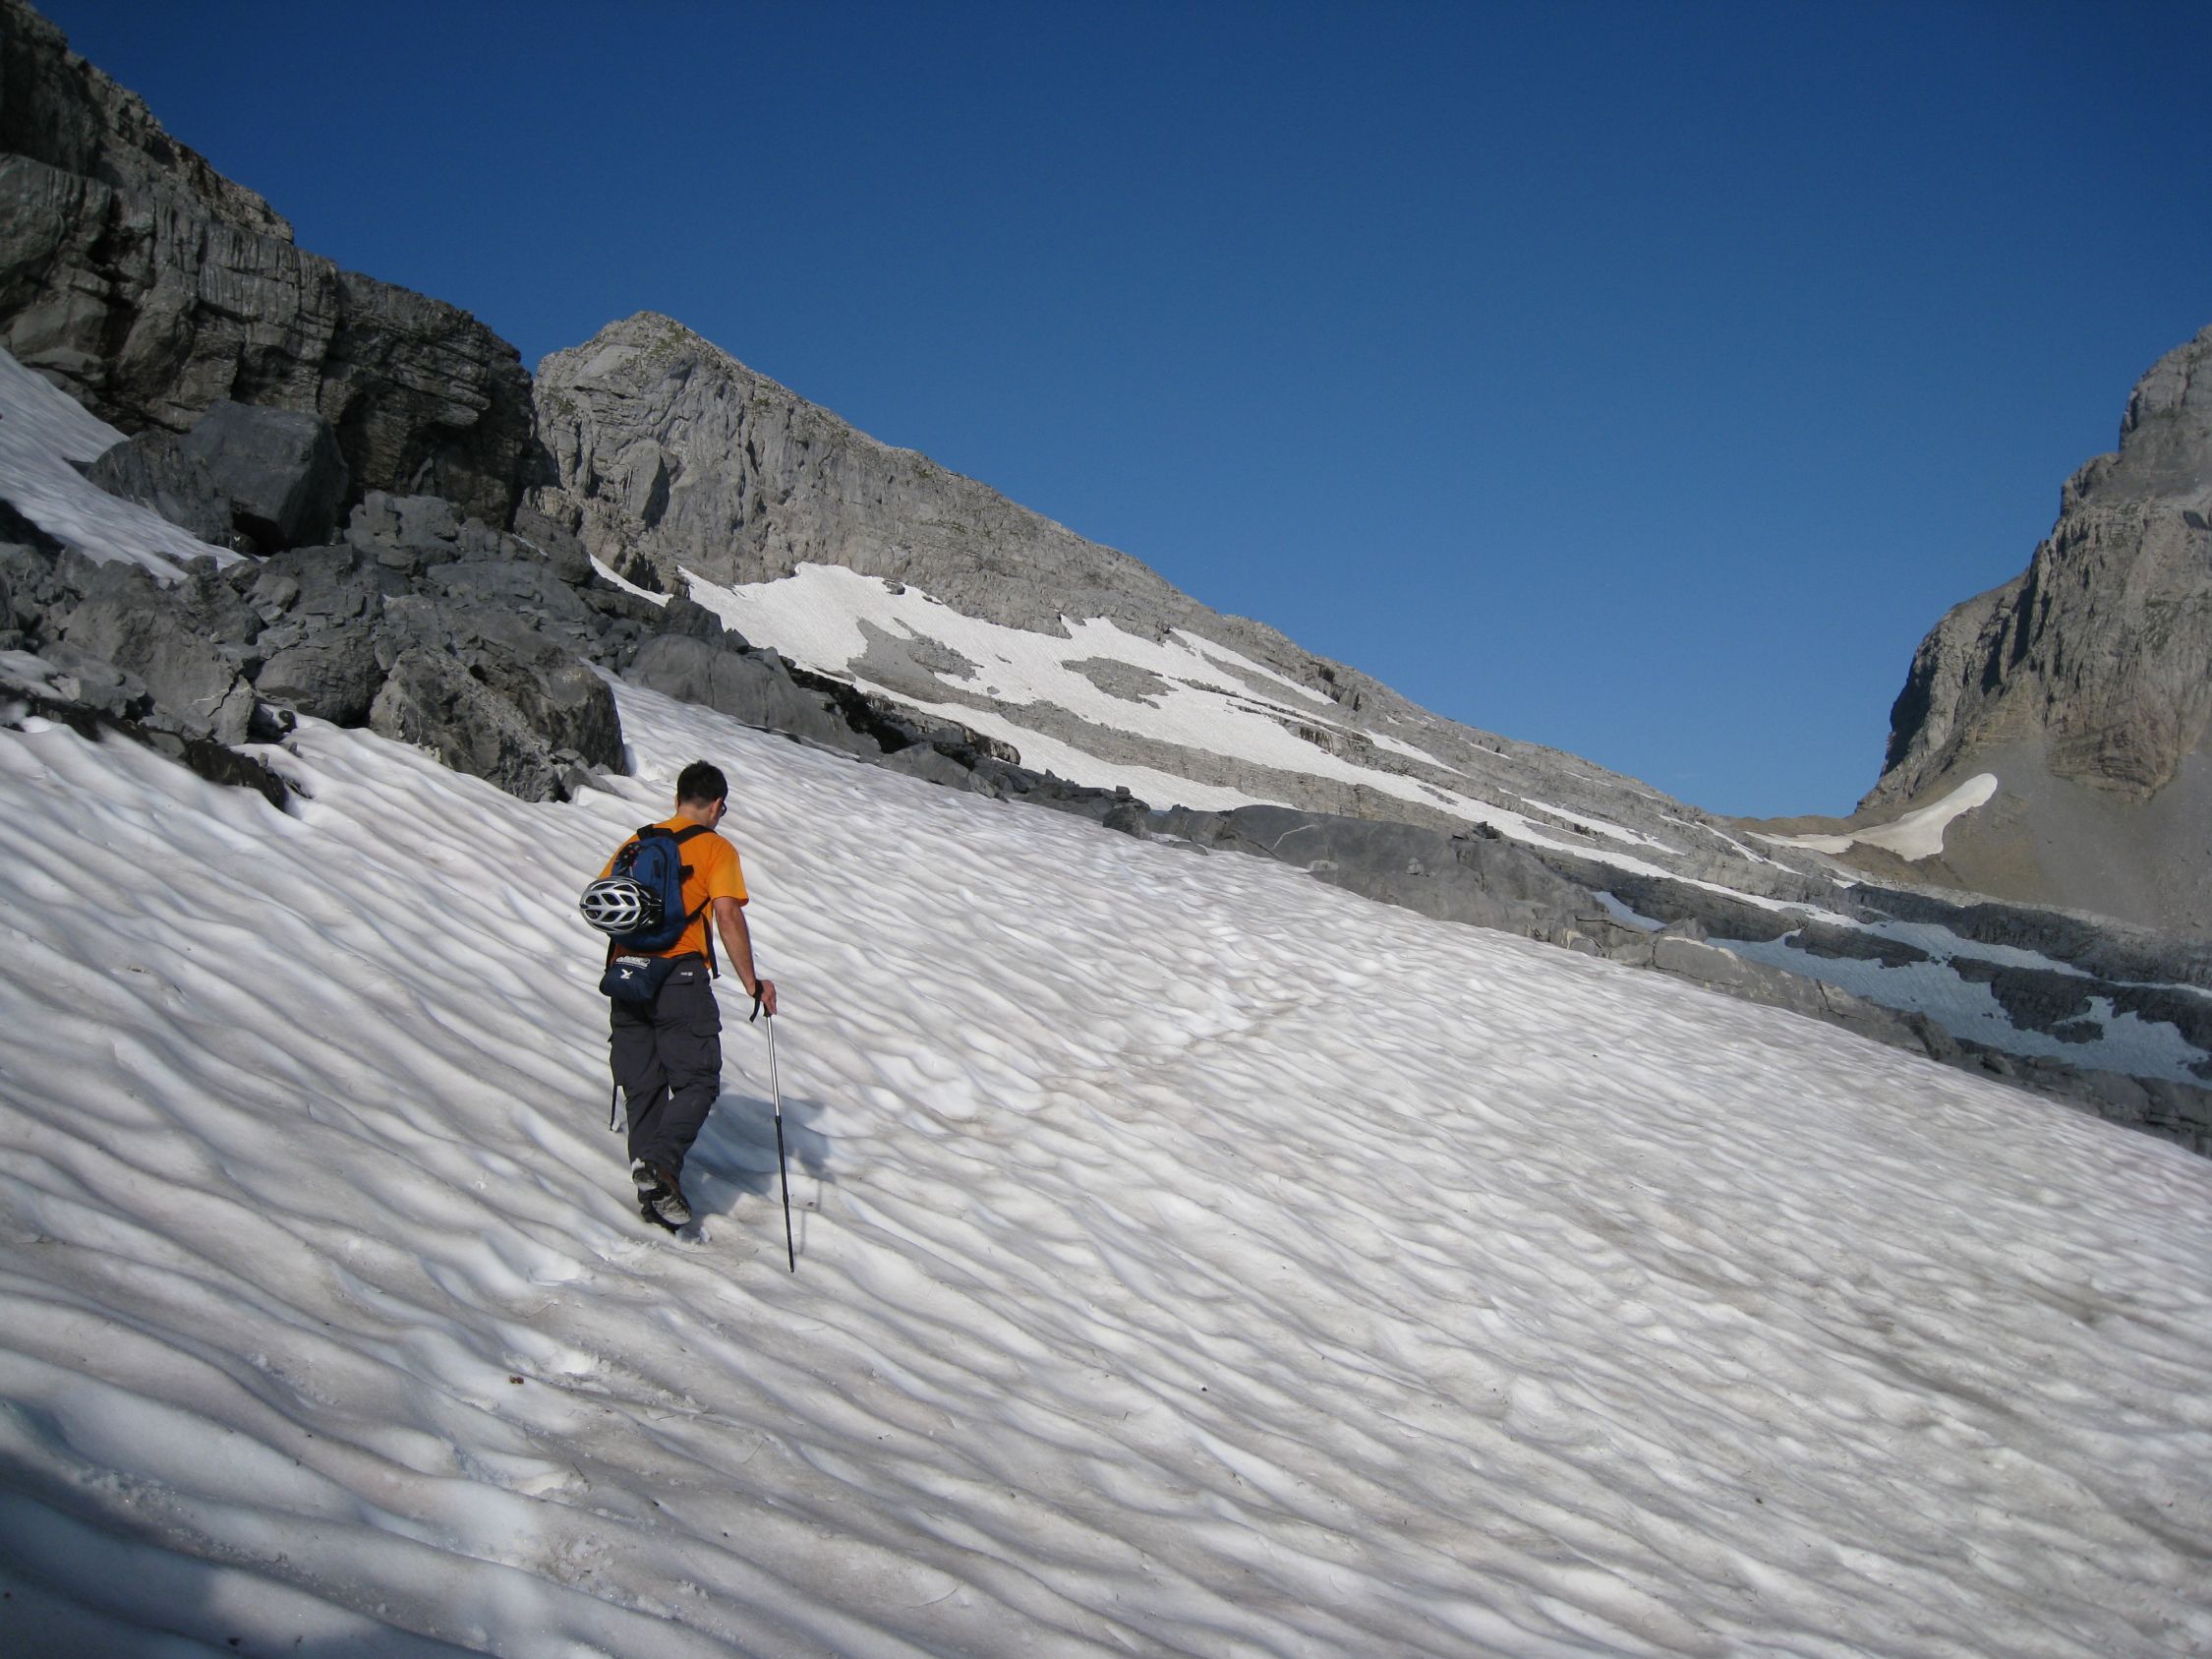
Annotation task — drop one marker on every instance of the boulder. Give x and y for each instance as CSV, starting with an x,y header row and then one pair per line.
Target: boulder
x,y
331,673
423,521
211,598
26,580
422,530
193,685
429,700
568,706
280,468
156,471
686,615
88,681
527,589
558,543
328,585
933,765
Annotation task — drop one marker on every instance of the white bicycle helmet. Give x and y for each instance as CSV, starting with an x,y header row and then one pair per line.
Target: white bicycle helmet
x,y
618,905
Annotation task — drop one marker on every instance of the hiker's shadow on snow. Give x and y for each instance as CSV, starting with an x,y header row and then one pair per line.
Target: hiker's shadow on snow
x,y
736,1154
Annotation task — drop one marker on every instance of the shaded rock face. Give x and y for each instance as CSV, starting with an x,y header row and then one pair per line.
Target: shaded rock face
x,y
254,480
155,470
2085,683
281,469
151,288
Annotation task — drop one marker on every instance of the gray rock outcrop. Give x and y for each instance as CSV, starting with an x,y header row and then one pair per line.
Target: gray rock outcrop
x,y
200,686
1478,880
430,628
2085,686
748,686
152,288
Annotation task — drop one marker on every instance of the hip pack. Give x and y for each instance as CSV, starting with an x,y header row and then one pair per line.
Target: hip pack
x,y
636,978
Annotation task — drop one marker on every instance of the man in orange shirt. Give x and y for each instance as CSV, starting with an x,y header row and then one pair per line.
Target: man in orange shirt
x,y
666,1054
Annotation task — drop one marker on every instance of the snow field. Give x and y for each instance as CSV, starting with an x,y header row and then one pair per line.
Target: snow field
x,y
1192,1259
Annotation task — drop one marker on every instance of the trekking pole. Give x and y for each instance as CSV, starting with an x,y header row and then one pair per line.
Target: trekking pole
x,y
783,1171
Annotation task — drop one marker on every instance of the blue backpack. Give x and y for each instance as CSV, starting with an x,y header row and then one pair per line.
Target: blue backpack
x,y
653,858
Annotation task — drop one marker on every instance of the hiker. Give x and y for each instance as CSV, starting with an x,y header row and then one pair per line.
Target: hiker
x,y
666,1028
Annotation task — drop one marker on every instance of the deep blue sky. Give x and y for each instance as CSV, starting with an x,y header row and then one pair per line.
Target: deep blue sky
x,y
1642,380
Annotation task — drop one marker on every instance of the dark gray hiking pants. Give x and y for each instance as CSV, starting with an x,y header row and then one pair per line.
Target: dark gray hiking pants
x,y
667,1055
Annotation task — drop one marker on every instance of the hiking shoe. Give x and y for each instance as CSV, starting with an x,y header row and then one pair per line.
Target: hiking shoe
x,y
658,1191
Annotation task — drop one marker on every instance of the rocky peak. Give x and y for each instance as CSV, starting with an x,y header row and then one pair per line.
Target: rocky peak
x,y
2166,439
2085,683
675,461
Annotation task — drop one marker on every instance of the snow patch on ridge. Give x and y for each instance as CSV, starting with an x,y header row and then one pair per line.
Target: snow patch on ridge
x,y
1917,834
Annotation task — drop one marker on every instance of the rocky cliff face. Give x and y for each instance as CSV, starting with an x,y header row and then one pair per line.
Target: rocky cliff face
x,y
139,278
2085,683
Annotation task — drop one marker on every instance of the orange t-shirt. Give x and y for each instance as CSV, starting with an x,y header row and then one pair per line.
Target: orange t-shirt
x,y
713,872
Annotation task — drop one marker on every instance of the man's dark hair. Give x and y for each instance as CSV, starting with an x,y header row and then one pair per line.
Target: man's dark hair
x,y
702,783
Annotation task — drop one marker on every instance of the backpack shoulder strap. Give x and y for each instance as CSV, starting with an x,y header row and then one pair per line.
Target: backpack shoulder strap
x,y
681,837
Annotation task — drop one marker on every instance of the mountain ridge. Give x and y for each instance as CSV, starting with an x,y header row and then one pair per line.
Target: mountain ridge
x,y
672,453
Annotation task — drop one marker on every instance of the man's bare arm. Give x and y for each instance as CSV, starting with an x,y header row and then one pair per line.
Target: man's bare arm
x,y
738,946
